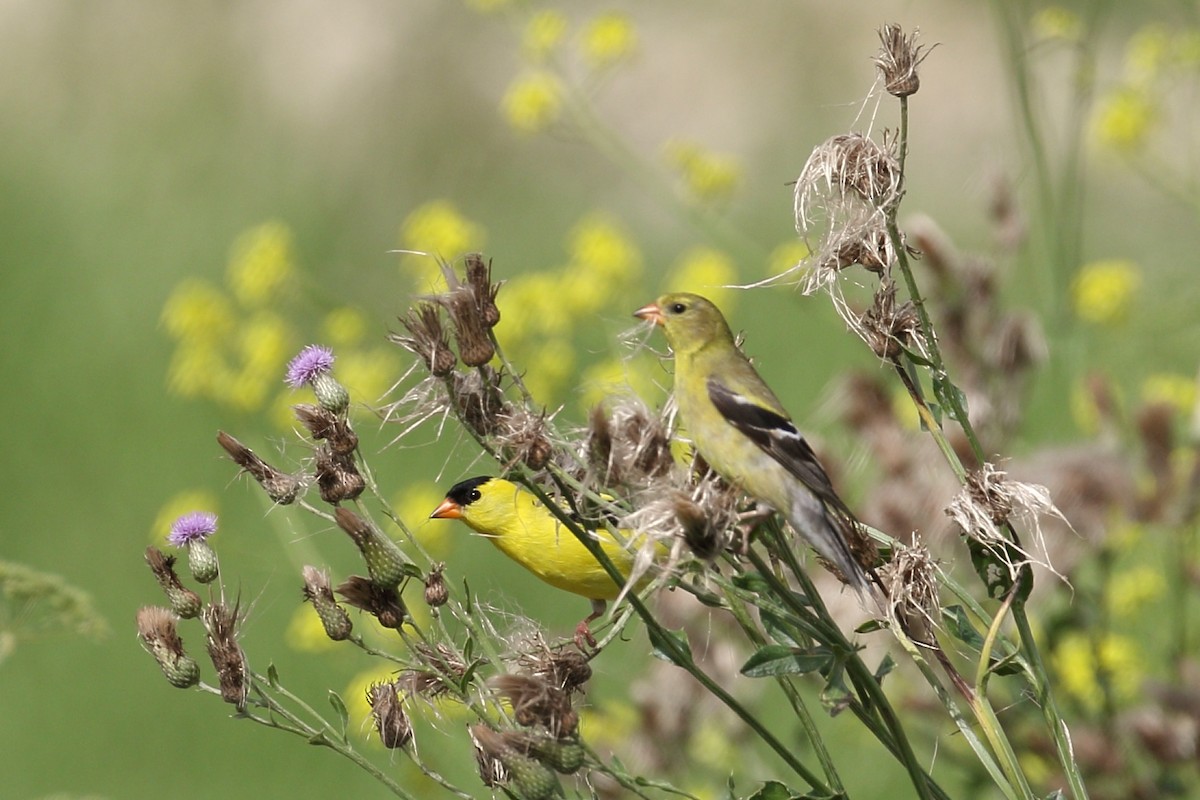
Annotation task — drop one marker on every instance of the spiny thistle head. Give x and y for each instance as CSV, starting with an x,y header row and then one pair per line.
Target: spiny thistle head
x,y
479,278
427,339
898,59
699,532
478,399
386,562
382,602
323,424
157,633
392,724
537,702
466,312
184,602
280,487
565,669
227,656
317,591
337,477
523,435
192,531
313,366
528,778
436,592
889,328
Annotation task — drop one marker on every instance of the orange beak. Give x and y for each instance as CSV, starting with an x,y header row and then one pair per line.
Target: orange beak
x,y
447,510
651,313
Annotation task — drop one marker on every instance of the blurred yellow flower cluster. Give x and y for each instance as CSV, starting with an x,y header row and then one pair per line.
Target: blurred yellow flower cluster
x,y
439,229
1088,667
1103,291
707,177
534,101
608,39
1057,22
232,344
544,32
182,503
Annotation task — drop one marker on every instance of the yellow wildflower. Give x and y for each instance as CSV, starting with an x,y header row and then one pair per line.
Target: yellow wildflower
x,y
786,256
1086,666
279,410
413,505
608,725
1122,665
608,39
344,326
1178,391
264,344
706,271
613,376
1075,662
1131,590
551,362
708,177
543,33
1056,22
1146,53
711,745
197,312
306,633
1124,119
529,304
262,261
178,505
533,102
196,369
368,374
1103,291
596,243
437,228
246,390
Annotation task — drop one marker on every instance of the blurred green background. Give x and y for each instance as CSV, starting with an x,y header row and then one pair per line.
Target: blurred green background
x,y
140,140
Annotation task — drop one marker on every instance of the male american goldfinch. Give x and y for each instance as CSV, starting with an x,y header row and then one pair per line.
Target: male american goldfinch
x,y
526,531
743,432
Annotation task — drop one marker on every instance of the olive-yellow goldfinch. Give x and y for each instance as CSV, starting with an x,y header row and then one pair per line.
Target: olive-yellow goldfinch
x,y
521,526
740,428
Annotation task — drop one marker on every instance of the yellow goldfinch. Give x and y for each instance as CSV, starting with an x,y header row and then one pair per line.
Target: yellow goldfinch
x,y
743,432
527,532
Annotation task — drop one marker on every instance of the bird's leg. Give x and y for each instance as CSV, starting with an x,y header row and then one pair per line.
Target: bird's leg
x,y
748,521
582,632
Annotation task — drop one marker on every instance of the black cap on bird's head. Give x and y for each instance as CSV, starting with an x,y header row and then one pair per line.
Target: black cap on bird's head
x,y
461,494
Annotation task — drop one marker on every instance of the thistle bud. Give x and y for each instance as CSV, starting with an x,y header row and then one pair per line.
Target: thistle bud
x,y
157,632
565,756
436,592
184,602
280,487
313,366
391,722
382,602
227,656
528,778
386,563
334,618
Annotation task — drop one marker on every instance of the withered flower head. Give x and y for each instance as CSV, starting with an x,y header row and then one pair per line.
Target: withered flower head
x,y
537,702
701,536
324,424
478,400
492,771
566,669
184,601
479,278
627,444
898,59
475,346
280,487
442,659
427,339
422,682
887,327
227,656
334,618
382,602
523,435
391,722
386,562
910,580
337,477
436,592
157,632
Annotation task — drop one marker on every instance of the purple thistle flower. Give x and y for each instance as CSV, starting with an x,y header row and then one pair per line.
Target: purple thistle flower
x,y
195,526
312,361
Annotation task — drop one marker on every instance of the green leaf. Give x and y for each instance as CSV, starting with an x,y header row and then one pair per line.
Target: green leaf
x,y
339,708
951,396
272,676
870,626
752,582
413,571
836,695
774,790
777,659
671,646
778,628
960,627
885,667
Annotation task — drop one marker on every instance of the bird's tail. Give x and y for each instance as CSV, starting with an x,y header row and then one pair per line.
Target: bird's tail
x,y
840,540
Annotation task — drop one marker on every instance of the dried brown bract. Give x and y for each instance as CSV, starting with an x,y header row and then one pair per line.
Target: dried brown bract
x,y
898,59
889,328
427,339
279,486
523,436
475,346
323,424
382,602
227,656
538,702
395,729
184,602
436,591
158,634
478,400
910,580
479,278
566,669
337,477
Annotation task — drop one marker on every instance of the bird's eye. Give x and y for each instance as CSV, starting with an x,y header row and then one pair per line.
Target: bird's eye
x,y
475,495
678,308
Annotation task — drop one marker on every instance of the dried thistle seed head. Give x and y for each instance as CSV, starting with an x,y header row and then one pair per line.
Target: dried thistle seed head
x,y
566,669
522,436
492,771
527,778
427,339
233,672
382,602
910,580
888,328
421,682
700,535
158,634
475,346
324,424
386,562
599,444
395,730
280,487
334,618
337,477
442,659
184,601
478,400
436,592
479,278
537,702
898,59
